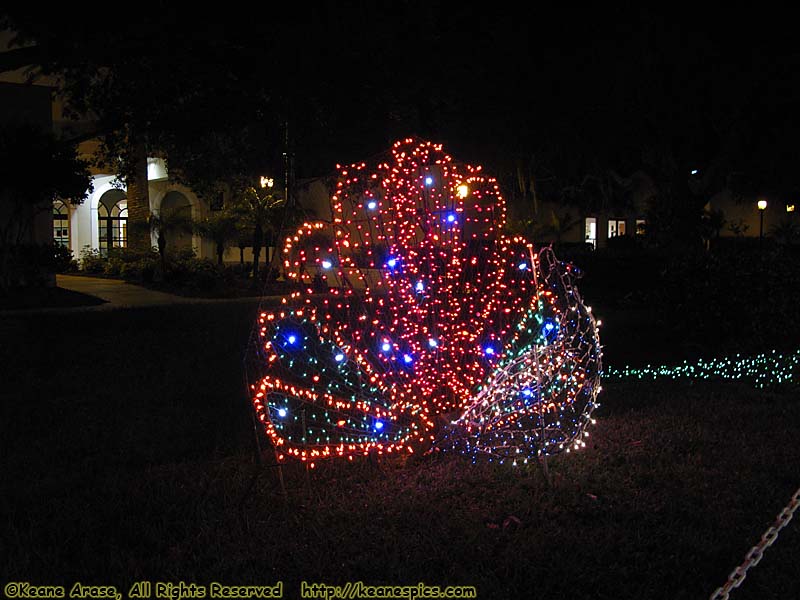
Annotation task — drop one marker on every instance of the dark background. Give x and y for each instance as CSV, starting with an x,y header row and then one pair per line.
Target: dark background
x,y
574,89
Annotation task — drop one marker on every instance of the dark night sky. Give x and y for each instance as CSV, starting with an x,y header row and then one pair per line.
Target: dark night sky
x,y
496,83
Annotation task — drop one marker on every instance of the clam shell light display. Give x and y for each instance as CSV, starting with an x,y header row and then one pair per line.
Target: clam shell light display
x,y
422,325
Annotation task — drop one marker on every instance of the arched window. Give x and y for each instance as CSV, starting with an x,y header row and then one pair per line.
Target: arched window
x,y
112,221
60,224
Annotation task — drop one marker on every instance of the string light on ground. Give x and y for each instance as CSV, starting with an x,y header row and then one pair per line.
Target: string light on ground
x,y
763,370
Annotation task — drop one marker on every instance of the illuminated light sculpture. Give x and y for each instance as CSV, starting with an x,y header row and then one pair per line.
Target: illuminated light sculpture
x,y
540,397
437,328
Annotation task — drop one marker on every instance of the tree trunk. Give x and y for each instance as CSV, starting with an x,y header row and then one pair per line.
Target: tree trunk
x,y
220,252
241,256
139,202
275,259
162,249
258,240
5,259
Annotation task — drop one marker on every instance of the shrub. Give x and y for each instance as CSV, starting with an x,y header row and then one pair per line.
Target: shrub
x,y
185,254
128,255
113,266
200,273
31,264
238,271
619,279
736,300
148,268
63,262
130,272
205,274
91,261
625,245
130,264
268,273
142,270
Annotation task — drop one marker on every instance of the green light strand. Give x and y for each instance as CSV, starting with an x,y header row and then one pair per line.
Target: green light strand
x,y
763,370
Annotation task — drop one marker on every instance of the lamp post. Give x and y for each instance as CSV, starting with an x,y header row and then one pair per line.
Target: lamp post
x,y
762,206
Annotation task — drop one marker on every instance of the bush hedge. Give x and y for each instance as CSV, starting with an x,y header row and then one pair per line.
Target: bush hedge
x,y
724,300
32,265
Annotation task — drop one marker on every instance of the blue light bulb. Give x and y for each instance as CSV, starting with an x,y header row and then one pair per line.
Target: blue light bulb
x,y
429,180
407,359
282,412
432,342
392,262
420,287
386,346
378,425
372,205
291,339
451,218
489,351
326,264
522,266
339,357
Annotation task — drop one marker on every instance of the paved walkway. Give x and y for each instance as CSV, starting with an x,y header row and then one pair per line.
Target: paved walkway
x,y
116,292
120,295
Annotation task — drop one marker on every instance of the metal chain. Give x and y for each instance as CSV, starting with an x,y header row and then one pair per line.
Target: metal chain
x,y
755,554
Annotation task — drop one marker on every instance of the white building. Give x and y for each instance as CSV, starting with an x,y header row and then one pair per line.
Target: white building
x,y
100,222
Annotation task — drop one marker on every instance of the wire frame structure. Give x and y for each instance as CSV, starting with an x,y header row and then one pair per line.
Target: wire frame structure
x,y
539,401
413,306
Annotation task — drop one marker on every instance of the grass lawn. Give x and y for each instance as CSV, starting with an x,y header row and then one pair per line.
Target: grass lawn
x,y
126,454
46,297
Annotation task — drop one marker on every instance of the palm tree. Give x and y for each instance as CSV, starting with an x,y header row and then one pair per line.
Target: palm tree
x,y
558,226
242,239
786,232
713,222
260,210
221,229
139,215
290,219
169,221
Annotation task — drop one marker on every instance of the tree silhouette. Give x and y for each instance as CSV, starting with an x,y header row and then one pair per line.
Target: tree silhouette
x,y
167,222
41,170
221,229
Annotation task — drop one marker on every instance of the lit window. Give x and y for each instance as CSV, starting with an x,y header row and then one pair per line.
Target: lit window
x,y
641,226
616,227
60,224
112,221
590,231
